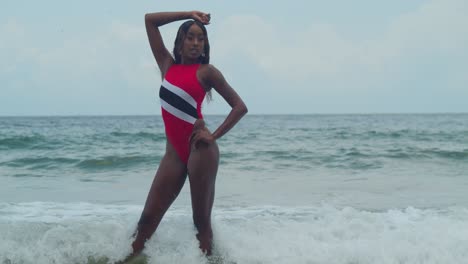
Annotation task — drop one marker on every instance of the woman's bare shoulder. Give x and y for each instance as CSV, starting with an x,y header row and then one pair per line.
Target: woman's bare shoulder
x,y
209,71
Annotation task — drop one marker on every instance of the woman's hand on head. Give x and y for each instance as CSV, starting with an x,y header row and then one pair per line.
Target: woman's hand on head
x,y
204,18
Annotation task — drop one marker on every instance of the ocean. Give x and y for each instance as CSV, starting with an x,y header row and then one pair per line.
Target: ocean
x,y
334,189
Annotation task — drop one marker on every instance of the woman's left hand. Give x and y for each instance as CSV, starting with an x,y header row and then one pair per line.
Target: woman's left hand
x,y
204,18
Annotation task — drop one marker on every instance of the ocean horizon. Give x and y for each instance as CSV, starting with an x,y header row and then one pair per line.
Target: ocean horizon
x,y
249,114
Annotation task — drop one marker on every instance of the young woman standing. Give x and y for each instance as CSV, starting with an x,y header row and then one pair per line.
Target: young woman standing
x,y
191,148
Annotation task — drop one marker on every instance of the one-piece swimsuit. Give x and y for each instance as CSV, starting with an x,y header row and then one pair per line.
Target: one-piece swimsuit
x,y
181,96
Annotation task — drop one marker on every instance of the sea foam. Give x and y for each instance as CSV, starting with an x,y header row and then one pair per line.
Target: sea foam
x,y
80,232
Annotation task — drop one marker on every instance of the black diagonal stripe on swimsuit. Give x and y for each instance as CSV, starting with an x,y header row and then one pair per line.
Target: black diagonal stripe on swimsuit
x,y
177,102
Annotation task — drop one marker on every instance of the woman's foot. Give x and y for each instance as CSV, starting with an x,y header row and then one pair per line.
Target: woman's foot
x,y
137,249
133,258
206,242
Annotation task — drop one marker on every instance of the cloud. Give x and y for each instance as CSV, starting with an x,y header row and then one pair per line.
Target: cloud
x,y
111,63
438,28
418,52
117,49
13,35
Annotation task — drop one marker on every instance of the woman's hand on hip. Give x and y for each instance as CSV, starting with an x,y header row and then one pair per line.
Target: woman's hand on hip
x,y
201,135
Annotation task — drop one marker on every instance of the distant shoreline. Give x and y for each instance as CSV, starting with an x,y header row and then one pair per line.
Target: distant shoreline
x,y
285,114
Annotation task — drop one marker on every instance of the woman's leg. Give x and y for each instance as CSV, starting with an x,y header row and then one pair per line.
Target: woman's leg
x,y
167,183
202,168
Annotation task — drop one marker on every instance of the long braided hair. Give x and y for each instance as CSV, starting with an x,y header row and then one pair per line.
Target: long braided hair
x,y
181,34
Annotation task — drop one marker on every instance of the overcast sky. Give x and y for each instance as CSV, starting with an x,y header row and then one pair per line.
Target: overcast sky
x,y
283,57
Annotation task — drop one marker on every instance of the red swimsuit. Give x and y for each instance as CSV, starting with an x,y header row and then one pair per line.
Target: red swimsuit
x,y
181,97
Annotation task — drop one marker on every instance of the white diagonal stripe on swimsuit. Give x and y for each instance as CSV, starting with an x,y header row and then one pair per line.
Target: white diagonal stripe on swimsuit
x,y
176,112
180,92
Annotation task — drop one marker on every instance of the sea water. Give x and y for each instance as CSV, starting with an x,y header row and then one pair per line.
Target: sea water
x,y
335,189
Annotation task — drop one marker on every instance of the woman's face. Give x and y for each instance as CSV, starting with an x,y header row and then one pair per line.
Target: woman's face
x,y
194,44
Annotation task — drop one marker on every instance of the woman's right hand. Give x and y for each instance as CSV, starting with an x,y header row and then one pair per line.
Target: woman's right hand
x,y
204,18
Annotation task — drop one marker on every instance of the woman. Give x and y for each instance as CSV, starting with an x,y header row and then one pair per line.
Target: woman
x,y
191,148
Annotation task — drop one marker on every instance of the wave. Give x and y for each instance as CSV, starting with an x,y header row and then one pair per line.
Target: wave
x,y
448,154
355,158
81,233
140,136
52,142
21,142
116,162
423,153
402,134
39,162
90,164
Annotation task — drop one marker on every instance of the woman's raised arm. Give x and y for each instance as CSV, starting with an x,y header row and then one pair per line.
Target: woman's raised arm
x,y
153,21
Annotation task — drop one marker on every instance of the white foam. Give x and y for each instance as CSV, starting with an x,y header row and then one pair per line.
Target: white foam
x,y
71,233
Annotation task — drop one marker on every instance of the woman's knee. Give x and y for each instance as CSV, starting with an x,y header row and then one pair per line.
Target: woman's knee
x,y
203,160
207,153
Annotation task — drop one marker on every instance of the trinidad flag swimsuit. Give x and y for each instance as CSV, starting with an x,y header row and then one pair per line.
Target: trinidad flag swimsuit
x,y
181,97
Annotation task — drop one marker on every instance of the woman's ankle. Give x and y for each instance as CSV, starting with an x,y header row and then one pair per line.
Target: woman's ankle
x,y
206,241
